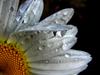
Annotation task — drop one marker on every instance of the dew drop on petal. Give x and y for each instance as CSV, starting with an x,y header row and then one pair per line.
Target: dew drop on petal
x,y
64,47
66,55
40,48
56,50
65,13
58,33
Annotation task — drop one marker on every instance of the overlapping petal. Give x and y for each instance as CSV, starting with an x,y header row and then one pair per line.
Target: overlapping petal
x,y
62,65
43,44
8,9
29,13
61,17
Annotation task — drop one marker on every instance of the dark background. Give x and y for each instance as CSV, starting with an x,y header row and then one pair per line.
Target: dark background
x,y
85,18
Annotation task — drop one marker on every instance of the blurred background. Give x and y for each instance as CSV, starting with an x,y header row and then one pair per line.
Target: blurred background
x,y
85,18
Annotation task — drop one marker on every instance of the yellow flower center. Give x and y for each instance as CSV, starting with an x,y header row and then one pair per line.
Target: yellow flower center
x,y
12,60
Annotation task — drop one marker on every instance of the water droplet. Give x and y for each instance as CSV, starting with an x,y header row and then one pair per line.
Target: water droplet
x,y
25,20
56,50
40,48
66,55
56,21
65,13
58,33
64,47
12,9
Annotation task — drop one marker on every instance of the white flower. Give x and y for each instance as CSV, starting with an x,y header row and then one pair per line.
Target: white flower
x,y
29,47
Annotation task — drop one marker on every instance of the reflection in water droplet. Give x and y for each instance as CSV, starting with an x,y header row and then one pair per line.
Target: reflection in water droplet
x,y
58,33
64,47
56,21
26,19
65,13
66,55
40,48
56,50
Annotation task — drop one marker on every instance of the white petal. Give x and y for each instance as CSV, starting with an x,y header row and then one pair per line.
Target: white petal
x,y
44,44
68,32
8,10
71,30
61,17
29,13
75,63
46,27
58,72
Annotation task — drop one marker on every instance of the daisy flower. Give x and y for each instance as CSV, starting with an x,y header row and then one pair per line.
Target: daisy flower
x,y
29,46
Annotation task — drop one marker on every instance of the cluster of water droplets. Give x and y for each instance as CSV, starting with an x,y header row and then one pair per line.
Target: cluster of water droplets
x,y
48,43
50,48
